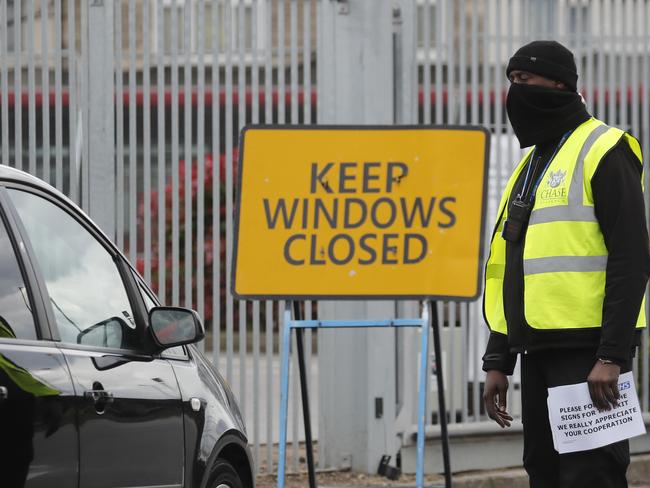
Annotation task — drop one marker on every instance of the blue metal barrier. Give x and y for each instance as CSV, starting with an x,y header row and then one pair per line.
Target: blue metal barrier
x,y
290,323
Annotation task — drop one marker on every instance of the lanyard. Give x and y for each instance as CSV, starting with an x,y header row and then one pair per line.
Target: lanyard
x,y
541,174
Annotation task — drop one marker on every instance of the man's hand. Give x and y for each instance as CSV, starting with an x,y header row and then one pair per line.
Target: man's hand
x,y
603,385
494,397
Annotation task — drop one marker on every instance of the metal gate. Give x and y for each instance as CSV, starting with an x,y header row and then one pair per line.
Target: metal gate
x,y
133,109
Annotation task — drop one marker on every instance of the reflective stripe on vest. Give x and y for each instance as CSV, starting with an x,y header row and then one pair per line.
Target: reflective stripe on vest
x,y
575,211
565,257
565,263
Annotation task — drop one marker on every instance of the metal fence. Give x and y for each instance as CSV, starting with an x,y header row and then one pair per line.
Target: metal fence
x,y
186,76
464,46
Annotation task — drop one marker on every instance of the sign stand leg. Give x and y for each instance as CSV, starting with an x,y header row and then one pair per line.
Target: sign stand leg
x,y
284,396
429,315
305,396
442,410
422,394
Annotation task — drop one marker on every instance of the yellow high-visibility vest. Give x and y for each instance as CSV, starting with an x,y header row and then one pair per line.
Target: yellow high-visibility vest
x,y
565,256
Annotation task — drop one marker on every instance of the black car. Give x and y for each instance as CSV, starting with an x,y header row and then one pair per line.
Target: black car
x,y
100,386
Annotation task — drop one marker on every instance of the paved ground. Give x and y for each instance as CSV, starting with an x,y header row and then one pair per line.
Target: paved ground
x,y
257,419
638,476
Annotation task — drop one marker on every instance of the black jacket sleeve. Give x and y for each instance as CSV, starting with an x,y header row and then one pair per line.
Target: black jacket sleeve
x,y
620,210
497,354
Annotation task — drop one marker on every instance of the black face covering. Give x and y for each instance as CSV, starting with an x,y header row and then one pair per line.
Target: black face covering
x,y
539,114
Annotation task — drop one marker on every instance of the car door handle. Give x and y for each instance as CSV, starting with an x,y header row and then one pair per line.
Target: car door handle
x,y
99,396
4,393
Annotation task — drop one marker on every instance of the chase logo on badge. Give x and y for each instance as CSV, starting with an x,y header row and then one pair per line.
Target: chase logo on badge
x,y
555,191
556,178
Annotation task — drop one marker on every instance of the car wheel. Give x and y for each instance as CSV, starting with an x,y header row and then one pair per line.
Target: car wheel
x,y
225,476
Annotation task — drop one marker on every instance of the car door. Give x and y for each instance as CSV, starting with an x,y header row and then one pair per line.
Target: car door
x,y
39,445
129,404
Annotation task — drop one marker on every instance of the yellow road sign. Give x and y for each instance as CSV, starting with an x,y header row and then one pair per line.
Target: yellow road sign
x,y
360,212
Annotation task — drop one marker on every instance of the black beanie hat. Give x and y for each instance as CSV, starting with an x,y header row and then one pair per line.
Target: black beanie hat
x,y
546,58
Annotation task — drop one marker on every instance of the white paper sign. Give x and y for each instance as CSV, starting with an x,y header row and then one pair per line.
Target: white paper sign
x,y
578,426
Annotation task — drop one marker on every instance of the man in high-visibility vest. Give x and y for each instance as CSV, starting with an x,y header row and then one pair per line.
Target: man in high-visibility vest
x,y
568,265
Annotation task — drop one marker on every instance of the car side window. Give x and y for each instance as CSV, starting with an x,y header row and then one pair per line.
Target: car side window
x,y
148,301
16,319
85,288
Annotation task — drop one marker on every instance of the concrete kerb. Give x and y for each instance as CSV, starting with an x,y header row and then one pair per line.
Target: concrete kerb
x,y
638,475
470,442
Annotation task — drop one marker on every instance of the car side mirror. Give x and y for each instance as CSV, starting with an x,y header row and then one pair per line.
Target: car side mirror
x,y
175,326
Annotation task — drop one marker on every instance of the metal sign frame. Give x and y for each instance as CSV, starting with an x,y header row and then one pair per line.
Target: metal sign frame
x,y
293,321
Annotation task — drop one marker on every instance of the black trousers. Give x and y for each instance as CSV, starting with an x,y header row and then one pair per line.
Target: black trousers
x,y
604,467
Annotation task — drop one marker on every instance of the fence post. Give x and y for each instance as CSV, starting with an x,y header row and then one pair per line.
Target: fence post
x,y
357,369
405,75
99,124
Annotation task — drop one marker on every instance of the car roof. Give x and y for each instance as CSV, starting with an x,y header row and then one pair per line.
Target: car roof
x,y
8,173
